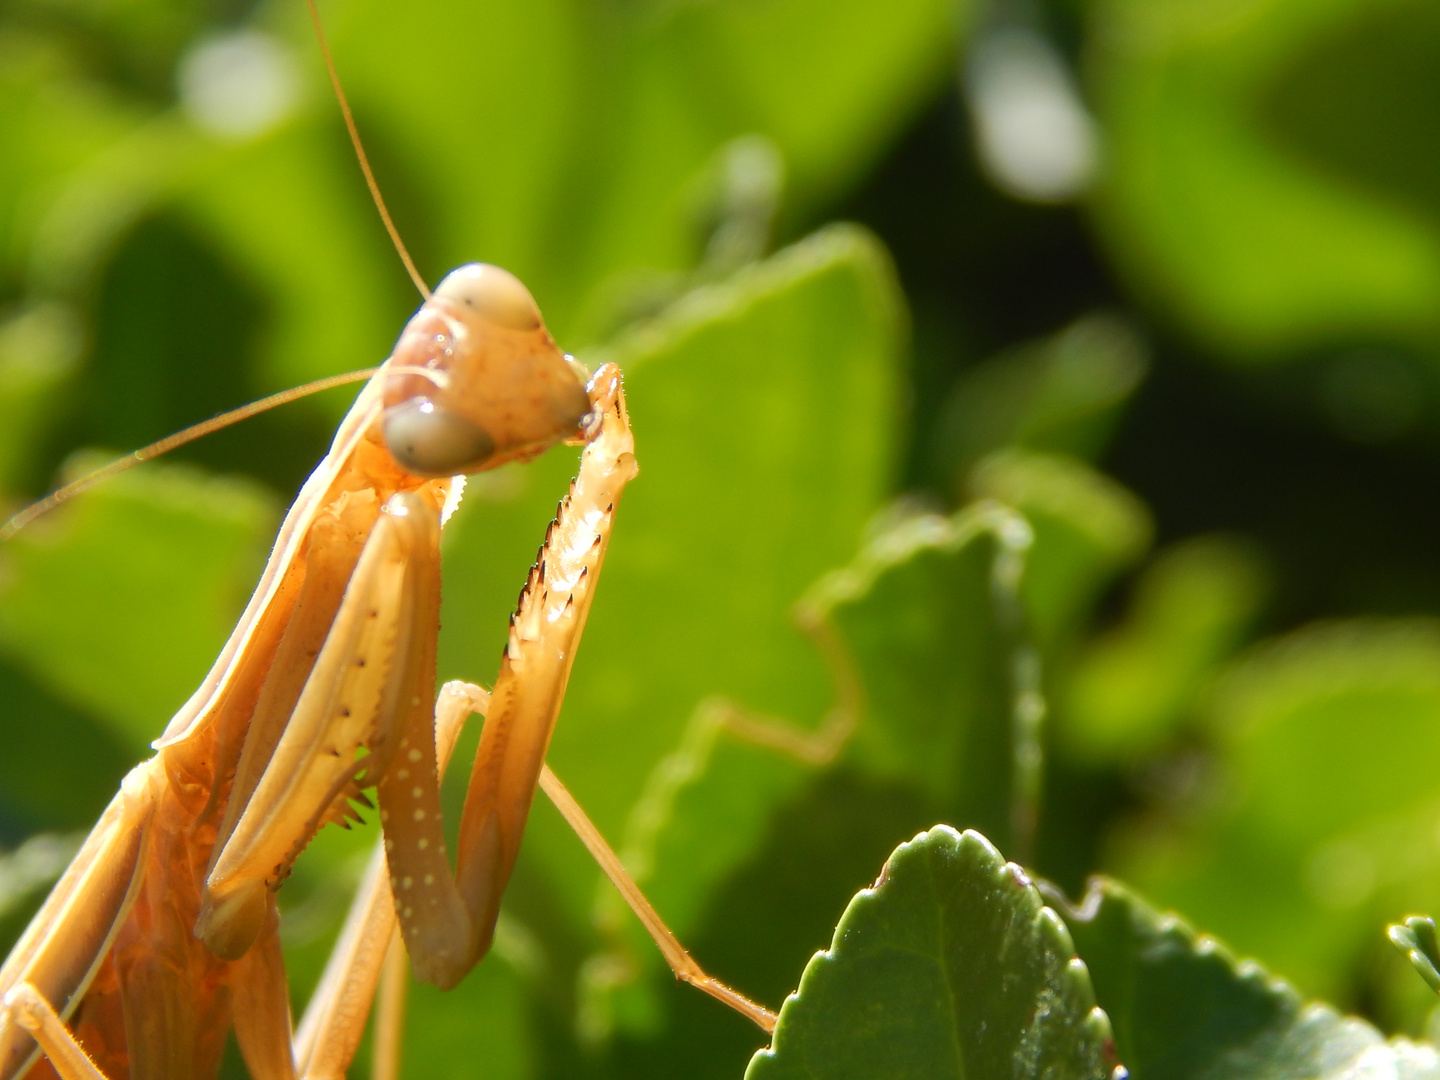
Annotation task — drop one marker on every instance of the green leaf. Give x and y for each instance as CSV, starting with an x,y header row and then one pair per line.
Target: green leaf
x,y
923,630
927,614
1350,707
120,601
38,352
1133,686
1184,1009
949,966
918,631
54,125
1226,196
1087,528
1061,394
1416,939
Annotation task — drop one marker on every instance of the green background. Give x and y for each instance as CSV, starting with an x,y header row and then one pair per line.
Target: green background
x,y
1099,517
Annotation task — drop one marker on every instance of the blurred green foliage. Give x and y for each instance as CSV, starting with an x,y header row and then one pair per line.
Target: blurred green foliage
x,y
1081,494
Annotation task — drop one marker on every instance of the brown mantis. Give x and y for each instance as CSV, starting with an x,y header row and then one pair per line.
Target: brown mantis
x,y
163,931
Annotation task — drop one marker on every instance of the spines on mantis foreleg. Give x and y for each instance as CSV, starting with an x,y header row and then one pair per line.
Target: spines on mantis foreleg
x,y
356,696
535,667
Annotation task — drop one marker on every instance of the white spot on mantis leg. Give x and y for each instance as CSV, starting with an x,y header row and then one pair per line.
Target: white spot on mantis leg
x,y
419,815
405,883
415,793
414,755
422,843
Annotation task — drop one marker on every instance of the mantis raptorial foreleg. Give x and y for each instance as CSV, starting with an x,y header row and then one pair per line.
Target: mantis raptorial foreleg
x,y
331,1029
335,1019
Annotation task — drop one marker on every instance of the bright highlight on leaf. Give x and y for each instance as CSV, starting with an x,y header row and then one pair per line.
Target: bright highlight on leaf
x,y
1416,939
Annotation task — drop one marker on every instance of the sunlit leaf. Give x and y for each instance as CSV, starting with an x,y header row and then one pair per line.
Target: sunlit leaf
x,y
156,564
1415,937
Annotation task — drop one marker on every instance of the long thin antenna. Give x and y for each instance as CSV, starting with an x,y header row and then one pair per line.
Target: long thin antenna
x,y
360,154
170,442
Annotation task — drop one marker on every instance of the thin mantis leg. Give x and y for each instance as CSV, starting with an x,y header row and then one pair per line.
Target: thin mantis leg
x,y
680,961
334,1022
261,1003
25,1005
390,1013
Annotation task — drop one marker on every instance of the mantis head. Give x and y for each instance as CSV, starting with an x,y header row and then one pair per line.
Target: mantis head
x,y
480,381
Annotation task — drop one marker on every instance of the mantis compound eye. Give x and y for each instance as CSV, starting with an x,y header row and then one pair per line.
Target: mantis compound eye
x,y
429,440
494,294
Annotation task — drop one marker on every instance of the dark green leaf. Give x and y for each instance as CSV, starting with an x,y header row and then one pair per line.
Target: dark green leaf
x,y
950,966
1325,818
1184,1009
923,613
1061,394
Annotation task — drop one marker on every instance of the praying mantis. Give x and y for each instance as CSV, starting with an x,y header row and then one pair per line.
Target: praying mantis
x,y
164,930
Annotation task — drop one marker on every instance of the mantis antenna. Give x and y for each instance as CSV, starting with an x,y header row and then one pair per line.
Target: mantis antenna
x,y
170,442
360,153
244,412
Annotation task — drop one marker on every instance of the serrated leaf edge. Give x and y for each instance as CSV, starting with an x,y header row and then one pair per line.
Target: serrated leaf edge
x,y
1052,925
1246,970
